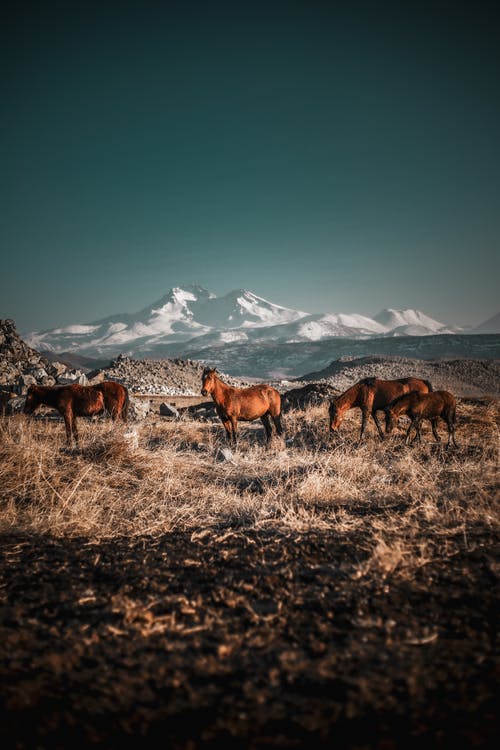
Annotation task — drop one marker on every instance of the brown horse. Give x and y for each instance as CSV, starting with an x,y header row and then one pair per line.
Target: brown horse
x,y
116,400
372,395
71,401
419,406
243,404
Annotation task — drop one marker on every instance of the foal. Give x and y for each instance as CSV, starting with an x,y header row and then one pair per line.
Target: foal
x,y
419,406
243,404
372,395
71,401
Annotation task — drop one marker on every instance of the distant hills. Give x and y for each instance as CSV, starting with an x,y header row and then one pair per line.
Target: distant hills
x,y
192,318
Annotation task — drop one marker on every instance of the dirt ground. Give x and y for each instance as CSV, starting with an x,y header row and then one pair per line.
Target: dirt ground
x,y
248,638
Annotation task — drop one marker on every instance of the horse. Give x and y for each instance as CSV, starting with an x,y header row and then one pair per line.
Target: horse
x,y
243,404
419,406
71,401
116,400
372,395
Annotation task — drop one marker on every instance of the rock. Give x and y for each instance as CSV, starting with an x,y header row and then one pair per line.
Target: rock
x,y
73,376
138,409
166,410
5,397
131,437
57,368
15,405
23,383
204,411
95,377
225,454
312,394
38,373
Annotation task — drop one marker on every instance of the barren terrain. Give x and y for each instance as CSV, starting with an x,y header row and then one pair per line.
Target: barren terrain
x,y
314,594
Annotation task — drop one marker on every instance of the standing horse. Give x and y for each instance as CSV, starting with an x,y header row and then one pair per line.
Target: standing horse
x,y
116,400
243,404
419,406
372,395
71,401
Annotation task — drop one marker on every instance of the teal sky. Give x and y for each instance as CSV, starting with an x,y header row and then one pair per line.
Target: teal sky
x,y
327,156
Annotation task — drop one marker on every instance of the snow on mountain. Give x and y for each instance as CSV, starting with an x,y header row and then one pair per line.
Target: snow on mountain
x,y
400,320
178,316
196,315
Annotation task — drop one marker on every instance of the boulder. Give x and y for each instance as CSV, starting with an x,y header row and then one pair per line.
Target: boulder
x,y
138,409
312,394
38,373
225,455
15,405
95,377
57,368
166,410
23,382
73,376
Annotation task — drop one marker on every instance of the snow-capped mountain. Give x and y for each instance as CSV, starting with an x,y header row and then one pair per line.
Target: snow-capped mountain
x,y
410,323
182,314
193,314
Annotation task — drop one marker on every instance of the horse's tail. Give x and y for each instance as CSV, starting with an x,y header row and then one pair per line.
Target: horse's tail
x,y
125,405
429,385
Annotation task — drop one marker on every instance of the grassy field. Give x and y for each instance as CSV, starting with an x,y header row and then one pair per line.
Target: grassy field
x,y
315,592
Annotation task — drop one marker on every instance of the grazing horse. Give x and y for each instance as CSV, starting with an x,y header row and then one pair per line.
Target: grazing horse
x,y
418,406
71,401
372,395
243,404
116,400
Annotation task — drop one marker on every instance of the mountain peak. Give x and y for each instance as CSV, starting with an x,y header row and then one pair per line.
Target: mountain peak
x,y
392,319
190,312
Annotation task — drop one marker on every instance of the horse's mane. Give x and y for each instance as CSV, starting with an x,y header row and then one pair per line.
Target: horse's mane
x,y
368,381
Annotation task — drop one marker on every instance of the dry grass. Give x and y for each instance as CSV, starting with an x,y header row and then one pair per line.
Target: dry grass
x,y
162,476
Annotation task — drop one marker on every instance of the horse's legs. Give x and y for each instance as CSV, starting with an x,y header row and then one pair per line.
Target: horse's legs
x,y
234,426
228,429
408,431
69,423
434,423
267,426
364,417
418,435
278,424
377,423
450,421
75,430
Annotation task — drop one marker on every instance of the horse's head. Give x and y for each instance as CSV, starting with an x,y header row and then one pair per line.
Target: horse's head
x,y
391,420
335,416
208,381
32,400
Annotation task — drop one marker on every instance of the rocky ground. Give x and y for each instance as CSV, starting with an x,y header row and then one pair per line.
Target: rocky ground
x,y
464,377
346,600
245,640
22,366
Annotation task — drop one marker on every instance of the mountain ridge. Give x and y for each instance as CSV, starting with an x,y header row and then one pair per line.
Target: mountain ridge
x,y
192,314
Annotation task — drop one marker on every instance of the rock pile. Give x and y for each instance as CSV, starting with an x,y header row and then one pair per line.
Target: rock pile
x,y
312,394
22,366
168,377
464,377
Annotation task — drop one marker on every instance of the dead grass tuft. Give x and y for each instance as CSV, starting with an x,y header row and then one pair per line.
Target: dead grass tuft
x,y
161,476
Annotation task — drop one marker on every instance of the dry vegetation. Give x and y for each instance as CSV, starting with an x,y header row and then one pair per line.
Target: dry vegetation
x,y
163,476
315,592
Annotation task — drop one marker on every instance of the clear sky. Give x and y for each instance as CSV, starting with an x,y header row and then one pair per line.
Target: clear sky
x,y
328,156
